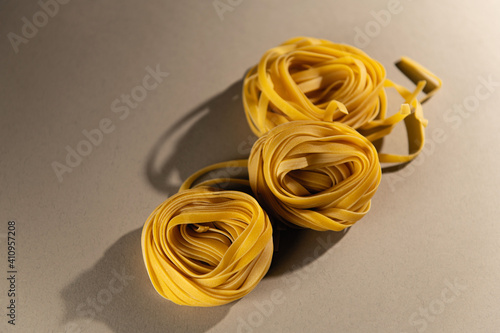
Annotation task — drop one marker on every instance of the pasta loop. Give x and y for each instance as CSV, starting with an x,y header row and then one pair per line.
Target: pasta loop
x,y
205,247
317,175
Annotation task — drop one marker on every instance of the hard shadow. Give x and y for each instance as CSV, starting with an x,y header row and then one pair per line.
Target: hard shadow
x,y
296,248
395,168
216,131
117,292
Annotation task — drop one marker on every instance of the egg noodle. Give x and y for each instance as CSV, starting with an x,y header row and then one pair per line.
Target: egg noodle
x,y
314,174
206,247
316,107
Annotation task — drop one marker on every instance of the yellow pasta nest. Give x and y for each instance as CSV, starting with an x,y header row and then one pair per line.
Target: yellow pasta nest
x,y
317,175
205,247
309,78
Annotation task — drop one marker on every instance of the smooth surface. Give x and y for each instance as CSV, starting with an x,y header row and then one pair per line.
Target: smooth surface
x,y
432,225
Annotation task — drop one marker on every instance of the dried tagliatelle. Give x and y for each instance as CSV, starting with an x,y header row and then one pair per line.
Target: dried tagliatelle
x,y
207,247
310,78
314,174
317,107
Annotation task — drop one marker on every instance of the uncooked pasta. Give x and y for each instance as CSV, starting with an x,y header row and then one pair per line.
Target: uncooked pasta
x,y
207,247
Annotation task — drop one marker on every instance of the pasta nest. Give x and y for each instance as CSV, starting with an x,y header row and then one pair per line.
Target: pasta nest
x,y
207,247
310,78
313,174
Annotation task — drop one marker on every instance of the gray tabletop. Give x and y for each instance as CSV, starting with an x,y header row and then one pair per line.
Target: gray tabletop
x,y
107,106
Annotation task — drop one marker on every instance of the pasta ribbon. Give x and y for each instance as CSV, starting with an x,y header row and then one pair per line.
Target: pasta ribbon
x,y
314,79
206,247
314,174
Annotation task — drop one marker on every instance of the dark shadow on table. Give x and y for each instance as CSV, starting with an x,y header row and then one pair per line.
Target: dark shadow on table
x,y
395,168
296,248
217,131
117,292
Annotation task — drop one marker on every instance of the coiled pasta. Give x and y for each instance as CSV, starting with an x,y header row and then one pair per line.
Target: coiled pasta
x,y
206,247
317,175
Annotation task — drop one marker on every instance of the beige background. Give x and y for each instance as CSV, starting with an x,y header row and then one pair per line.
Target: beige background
x,y
432,225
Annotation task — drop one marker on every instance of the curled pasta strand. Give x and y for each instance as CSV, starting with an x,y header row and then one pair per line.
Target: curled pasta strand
x,y
188,183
